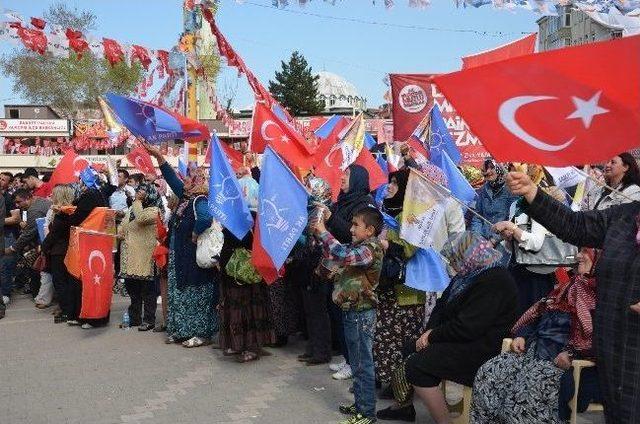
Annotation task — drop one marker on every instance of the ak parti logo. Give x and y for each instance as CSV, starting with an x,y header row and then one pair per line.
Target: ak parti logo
x,y
412,98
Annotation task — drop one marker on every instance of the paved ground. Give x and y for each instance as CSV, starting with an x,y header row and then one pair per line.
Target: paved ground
x,y
55,374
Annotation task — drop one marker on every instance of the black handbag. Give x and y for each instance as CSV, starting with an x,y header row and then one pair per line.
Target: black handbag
x,y
394,267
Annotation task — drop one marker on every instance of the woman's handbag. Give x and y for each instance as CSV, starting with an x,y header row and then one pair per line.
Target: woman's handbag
x,y
209,243
40,264
241,269
554,252
393,267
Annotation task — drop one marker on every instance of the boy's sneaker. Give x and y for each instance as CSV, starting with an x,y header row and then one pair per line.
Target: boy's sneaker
x,y
335,367
344,373
348,409
358,419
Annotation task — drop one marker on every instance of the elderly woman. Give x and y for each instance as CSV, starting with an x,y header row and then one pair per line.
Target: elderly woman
x,y
466,328
617,315
521,387
522,232
137,268
403,311
192,291
493,201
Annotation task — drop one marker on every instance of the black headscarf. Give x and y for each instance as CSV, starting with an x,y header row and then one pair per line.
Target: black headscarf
x,y
358,185
393,205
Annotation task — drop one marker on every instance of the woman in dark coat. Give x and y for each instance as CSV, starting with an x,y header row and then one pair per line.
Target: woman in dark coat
x,y
354,195
466,328
617,315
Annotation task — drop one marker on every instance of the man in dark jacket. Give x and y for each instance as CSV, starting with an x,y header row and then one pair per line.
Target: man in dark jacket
x,y
36,207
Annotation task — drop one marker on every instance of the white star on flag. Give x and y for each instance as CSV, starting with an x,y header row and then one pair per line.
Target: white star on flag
x,y
587,109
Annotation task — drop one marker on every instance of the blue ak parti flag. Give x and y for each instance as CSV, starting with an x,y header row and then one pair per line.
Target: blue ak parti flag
x,y
458,184
440,140
226,202
148,121
282,208
426,271
369,141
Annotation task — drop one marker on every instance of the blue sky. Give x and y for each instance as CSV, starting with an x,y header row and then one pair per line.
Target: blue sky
x,y
263,36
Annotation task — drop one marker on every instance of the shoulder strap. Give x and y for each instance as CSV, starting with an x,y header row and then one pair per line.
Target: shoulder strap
x,y
195,199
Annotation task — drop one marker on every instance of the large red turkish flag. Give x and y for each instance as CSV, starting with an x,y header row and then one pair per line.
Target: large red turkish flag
x,y
267,128
97,273
139,157
261,260
562,107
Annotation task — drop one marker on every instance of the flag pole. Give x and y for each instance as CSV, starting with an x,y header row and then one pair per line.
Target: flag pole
x,y
448,193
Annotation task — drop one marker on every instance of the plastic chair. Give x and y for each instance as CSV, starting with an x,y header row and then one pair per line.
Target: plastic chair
x,y
578,365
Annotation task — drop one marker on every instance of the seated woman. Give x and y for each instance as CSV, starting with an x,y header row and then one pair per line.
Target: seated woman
x,y
465,329
522,387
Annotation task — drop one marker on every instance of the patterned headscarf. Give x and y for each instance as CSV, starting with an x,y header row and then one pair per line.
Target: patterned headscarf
x,y
199,183
468,254
501,172
153,198
435,174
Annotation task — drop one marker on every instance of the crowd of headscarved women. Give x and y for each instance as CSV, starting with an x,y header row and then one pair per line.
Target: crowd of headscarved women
x,y
553,315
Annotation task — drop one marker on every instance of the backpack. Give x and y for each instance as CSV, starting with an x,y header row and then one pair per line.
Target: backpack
x,y
209,243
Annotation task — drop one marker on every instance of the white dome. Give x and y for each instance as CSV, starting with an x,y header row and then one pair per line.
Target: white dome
x,y
337,92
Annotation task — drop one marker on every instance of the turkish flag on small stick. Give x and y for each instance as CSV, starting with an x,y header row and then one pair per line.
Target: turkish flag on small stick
x,y
562,107
96,261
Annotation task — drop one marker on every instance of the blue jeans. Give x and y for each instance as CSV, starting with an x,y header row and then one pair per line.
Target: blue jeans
x,y
8,267
359,328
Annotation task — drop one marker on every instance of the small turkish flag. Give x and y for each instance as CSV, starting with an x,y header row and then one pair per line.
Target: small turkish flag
x,y
68,169
268,129
96,261
139,157
562,107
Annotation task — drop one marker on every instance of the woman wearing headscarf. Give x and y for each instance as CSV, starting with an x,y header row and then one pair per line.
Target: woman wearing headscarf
x,y
617,316
192,291
354,195
493,201
522,232
244,307
403,311
137,268
521,386
88,196
466,328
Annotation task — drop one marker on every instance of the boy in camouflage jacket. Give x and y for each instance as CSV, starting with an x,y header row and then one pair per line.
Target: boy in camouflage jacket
x,y
354,292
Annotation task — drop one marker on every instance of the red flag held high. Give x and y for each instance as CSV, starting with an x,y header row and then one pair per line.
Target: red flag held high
x,y
377,177
326,144
267,128
139,157
412,98
97,274
562,107
33,39
76,42
523,46
68,169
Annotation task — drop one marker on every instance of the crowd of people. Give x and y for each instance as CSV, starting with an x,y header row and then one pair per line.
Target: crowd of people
x,y
343,286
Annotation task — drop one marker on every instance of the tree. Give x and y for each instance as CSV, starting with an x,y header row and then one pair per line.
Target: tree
x,y
296,88
70,85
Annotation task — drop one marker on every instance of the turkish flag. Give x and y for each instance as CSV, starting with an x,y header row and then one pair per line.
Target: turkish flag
x,y
139,157
260,259
96,262
327,143
562,107
141,54
68,169
33,39
112,51
520,47
411,99
267,128
234,156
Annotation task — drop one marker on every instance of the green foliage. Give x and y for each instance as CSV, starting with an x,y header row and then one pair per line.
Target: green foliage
x,y
70,85
296,88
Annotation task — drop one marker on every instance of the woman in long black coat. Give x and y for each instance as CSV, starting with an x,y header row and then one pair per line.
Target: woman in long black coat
x,y
465,329
617,315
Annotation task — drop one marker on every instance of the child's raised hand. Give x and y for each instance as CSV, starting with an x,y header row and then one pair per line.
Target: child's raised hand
x,y
563,360
518,345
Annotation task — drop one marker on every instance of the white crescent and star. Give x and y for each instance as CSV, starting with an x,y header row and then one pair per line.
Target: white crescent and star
x,y
263,129
585,110
141,165
96,254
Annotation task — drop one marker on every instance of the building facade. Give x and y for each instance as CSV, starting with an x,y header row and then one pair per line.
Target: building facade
x,y
572,27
